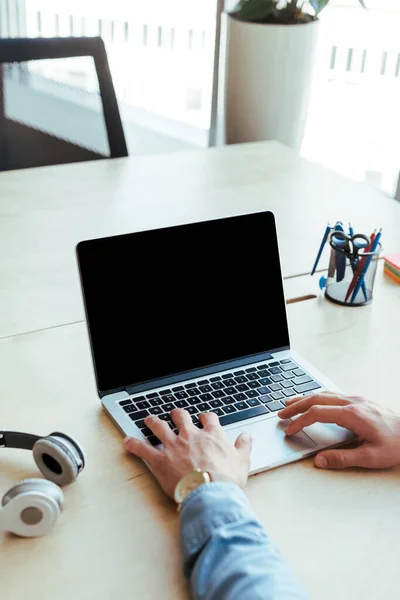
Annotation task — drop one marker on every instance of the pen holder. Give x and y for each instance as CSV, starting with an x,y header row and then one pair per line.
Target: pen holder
x,y
355,288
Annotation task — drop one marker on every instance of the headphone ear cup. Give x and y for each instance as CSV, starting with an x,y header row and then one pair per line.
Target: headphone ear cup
x,y
31,508
56,460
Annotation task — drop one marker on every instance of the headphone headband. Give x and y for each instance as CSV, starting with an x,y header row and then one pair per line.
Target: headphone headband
x,y
16,439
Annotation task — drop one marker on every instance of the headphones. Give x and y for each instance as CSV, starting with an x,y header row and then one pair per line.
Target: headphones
x,y
32,507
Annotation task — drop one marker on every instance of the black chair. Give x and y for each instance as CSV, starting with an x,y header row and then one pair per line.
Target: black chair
x,y
62,118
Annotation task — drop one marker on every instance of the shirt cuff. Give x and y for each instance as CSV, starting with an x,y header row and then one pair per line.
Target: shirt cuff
x,y
208,507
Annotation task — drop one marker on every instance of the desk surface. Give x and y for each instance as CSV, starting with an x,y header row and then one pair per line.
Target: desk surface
x,y
44,212
118,533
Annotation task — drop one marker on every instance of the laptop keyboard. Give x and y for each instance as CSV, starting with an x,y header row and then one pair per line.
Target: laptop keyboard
x,y
233,397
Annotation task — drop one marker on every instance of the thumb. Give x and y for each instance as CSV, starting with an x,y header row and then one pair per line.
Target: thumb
x,y
341,459
244,444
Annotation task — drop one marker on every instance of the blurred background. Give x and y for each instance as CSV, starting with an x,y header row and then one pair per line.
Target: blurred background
x,y
162,61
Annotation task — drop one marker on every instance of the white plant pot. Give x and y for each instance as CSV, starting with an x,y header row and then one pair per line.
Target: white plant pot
x,y
268,81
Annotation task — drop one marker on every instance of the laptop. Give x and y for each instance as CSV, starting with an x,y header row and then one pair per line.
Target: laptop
x,y
194,316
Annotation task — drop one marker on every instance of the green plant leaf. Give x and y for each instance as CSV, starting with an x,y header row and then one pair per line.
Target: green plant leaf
x,y
318,5
254,10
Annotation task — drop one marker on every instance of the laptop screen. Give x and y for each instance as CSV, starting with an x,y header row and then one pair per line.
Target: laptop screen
x,y
171,300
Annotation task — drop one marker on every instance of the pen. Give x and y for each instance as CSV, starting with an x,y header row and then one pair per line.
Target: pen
x,y
359,267
324,239
364,268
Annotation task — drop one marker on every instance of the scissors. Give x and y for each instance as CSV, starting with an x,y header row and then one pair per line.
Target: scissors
x,y
351,246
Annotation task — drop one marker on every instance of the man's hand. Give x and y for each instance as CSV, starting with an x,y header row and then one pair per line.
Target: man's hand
x,y
208,449
377,428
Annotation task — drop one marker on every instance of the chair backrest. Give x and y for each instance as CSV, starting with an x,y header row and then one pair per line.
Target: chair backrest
x,y
57,103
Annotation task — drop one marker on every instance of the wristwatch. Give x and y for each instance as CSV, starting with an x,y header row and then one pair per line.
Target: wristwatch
x,y
188,483
195,479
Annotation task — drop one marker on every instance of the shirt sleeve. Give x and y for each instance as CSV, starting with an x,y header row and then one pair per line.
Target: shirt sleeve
x,y
226,553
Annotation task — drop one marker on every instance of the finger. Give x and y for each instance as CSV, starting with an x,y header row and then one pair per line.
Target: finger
x,y
160,428
296,399
244,444
141,449
342,459
308,401
209,421
182,420
341,415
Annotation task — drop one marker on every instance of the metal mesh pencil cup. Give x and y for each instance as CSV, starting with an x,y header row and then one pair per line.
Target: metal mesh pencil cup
x,y
337,291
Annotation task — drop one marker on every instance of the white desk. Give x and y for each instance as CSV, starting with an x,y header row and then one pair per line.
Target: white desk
x,y
118,533
45,212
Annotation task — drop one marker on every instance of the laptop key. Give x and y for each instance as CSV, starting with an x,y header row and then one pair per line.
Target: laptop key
x,y
203,382
229,409
125,402
218,394
178,388
218,411
141,414
190,385
192,410
226,376
143,404
241,405
152,395
165,417
263,373
252,394
181,404
274,406
216,378
288,367
275,387
275,370
241,379
263,390
277,395
289,392
165,392
181,395
237,373
265,399
265,381
286,361
156,410
251,370
287,383
253,402
130,408
146,431
298,372
216,403
205,397
168,407
230,390
253,376
198,425
204,407
288,375
242,415
205,388
229,400
154,441
194,400
274,364
276,378
254,384
217,385
306,387
239,397
242,387
302,379
156,401
193,392
261,367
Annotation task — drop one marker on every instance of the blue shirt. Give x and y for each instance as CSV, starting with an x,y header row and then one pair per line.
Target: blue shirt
x,y
226,553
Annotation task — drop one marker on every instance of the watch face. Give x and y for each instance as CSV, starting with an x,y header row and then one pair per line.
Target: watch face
x,y
190,482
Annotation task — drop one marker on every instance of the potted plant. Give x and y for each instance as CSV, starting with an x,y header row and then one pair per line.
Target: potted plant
x,y
270,54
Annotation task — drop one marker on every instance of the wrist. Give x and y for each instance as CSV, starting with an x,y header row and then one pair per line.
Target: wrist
x,y
196,479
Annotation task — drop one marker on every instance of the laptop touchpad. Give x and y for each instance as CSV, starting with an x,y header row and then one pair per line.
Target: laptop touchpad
x,y
270,444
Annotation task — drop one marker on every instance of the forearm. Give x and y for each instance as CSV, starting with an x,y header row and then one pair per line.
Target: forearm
x,y
226,552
